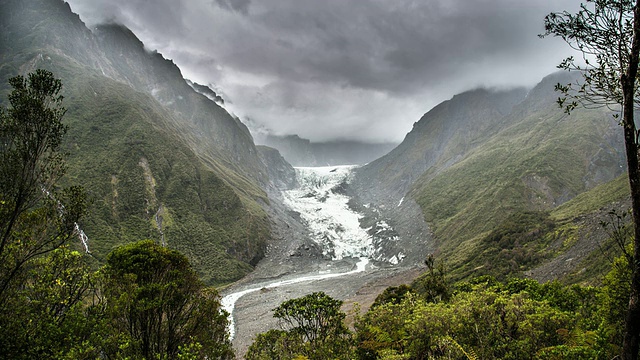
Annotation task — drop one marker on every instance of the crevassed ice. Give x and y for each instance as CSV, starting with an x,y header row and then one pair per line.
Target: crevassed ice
x,y
332,223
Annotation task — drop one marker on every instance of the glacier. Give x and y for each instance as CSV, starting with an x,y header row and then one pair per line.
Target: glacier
x,y
323,205
331,222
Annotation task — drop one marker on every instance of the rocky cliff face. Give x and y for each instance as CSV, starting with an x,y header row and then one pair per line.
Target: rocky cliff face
x,y
282,176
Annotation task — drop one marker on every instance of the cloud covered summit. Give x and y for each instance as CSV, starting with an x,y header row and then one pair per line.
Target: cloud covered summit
x,y
336,69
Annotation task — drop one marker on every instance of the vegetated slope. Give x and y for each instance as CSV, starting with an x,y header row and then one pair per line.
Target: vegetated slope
x,y
472,168
541,159
583,246
442,137
160,160
568,243
217,137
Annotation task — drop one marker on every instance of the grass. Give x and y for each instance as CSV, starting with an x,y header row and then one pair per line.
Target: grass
x,y
594,199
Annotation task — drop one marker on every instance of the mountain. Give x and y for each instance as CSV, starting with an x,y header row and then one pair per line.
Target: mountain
x,y
302,152
443,136
159,159
474,162
283,175
206,91
491,180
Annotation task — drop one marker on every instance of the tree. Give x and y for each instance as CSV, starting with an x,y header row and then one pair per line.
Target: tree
x,y
274,345
35,216
312,326
49,317
156,306
607,33
432,284
315,316
613,299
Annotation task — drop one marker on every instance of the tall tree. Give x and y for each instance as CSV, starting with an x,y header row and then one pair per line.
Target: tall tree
x,y
35,217
50,317
312,328
157,304
607,33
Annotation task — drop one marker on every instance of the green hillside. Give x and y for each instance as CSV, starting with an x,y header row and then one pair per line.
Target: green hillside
x,y
487,170
135,169
443,136
526,166
540,161
152,170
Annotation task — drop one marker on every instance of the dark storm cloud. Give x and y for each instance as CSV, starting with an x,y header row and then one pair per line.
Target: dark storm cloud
x,y
235,5
323,69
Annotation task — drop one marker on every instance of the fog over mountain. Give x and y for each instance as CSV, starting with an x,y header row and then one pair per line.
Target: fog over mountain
x,y
335,69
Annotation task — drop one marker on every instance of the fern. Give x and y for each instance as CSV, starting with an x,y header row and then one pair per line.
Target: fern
x,y
471,355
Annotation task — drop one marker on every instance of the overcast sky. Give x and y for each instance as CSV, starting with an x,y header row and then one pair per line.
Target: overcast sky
x,y
343,69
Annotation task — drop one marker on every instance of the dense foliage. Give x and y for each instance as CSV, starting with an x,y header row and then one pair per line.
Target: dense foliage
x,y
481,319
147,302
155,303
36,217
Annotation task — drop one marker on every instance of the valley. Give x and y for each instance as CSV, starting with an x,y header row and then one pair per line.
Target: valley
x,y
495,183
345,261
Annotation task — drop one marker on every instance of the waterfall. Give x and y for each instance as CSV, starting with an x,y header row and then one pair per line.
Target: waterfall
x,y
84,239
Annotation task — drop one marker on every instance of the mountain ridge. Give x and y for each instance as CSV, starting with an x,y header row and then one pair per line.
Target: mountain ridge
x,y
160,160
425,145
532,158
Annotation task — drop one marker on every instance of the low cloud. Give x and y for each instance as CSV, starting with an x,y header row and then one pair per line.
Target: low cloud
x,y
358,69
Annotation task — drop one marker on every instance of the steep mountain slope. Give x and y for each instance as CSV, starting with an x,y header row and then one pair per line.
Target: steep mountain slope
x,y
474,162
281,173
160,160
439,139
540,159
209,130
